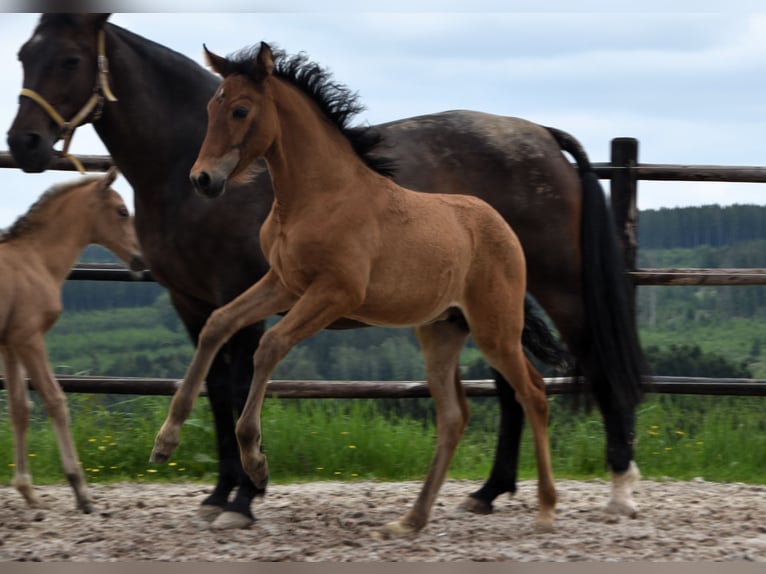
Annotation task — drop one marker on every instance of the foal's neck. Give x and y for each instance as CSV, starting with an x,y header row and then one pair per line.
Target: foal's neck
x,y
61,236
310,157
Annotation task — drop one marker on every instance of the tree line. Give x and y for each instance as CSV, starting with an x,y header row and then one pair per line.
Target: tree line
x,y
713,225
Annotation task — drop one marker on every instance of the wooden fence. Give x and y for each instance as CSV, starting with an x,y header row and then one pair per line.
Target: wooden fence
x,y
623,171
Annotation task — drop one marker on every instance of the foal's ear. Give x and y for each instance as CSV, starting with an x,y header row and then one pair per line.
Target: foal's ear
x,y
108,179
264,61
216,63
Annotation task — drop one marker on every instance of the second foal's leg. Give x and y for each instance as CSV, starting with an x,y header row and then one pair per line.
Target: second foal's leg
x,y
34,358
441,344
18,405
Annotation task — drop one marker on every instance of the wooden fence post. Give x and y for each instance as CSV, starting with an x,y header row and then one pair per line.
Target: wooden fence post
x,y
623,196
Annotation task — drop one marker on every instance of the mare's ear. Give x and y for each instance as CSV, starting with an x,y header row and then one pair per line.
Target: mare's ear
x,y
264,61
96,21
217,63
108,179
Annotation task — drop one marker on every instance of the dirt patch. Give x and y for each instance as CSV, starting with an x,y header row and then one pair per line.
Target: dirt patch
x,y
333,521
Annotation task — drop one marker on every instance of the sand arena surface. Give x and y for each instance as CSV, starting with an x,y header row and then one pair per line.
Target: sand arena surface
x,y
337,521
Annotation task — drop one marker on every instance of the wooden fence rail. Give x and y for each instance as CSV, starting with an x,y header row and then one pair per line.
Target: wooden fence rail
x,y
400,389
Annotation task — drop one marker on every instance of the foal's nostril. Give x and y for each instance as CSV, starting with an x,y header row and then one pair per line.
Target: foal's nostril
x,y
201,181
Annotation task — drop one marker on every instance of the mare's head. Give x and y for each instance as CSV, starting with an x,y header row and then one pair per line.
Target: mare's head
x,y
242,120
111,224
60,63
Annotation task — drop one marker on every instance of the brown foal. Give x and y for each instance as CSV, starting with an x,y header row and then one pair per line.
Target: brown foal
x,y
36,255
345,241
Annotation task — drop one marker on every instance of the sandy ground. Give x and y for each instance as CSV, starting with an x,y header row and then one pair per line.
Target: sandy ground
x,y
679,521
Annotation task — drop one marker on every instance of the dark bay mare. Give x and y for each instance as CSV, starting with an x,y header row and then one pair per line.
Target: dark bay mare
x,y
207,252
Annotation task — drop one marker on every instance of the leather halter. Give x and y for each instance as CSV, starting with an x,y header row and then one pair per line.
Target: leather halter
x,y
100,91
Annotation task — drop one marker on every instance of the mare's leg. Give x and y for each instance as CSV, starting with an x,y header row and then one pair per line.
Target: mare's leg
x,y
263,299
502,478
440,343
324,302
230,376
18,405
33,356
567,312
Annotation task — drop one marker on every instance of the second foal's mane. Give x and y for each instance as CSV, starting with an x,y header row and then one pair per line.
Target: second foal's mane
x,y
338,103
30,220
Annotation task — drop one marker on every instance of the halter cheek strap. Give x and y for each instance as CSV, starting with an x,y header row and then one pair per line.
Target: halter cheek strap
x,y
100,91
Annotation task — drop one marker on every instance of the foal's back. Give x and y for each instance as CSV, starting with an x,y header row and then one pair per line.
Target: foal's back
x,y
427,252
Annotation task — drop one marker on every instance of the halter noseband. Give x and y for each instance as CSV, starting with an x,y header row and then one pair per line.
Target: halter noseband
x,y
100,91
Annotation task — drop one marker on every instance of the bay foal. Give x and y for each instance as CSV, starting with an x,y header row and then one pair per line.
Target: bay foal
x,y
36,254
345,241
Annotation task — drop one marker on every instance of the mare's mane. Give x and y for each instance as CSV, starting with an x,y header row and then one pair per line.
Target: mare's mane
x,y
31,220
336,101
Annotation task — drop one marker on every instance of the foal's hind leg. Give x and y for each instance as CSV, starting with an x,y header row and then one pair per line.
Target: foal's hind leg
x,y
501,345
35,360
441,344
18,405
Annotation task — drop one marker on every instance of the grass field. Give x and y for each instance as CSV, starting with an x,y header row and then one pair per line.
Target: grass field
x,y
716,438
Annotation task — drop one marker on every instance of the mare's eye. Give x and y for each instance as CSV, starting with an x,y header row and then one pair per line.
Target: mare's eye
x,y
240,112
122,211
70,63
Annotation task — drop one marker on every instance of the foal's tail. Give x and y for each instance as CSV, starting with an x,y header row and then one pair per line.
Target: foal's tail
x,y
538,339
615,362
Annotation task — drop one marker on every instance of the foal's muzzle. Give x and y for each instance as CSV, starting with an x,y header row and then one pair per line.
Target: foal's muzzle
x,y
207,185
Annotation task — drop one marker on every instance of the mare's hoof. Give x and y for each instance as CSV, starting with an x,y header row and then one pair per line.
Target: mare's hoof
x,y
624,507
231,521
475,506
209,512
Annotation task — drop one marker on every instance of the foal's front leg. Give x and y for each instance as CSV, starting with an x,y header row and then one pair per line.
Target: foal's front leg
x,y
322,304
267,297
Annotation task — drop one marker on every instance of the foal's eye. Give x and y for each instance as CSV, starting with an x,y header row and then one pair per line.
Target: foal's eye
x,y
122,211
70,63
240,112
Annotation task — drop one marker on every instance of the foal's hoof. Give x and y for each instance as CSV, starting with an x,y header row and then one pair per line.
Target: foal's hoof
x,y
158,458
163,448
544,524
231,521
85,506
475,506
396,529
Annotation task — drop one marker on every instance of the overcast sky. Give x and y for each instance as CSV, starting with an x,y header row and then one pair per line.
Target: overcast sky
x,y
691,86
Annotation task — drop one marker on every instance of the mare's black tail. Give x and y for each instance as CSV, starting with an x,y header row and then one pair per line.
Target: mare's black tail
x,y
538,339
616,362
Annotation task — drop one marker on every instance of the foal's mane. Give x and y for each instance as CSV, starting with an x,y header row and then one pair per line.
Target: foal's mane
x,y
31,220
335,100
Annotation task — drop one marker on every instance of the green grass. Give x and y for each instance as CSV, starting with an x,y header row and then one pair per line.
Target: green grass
x,y
716,438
